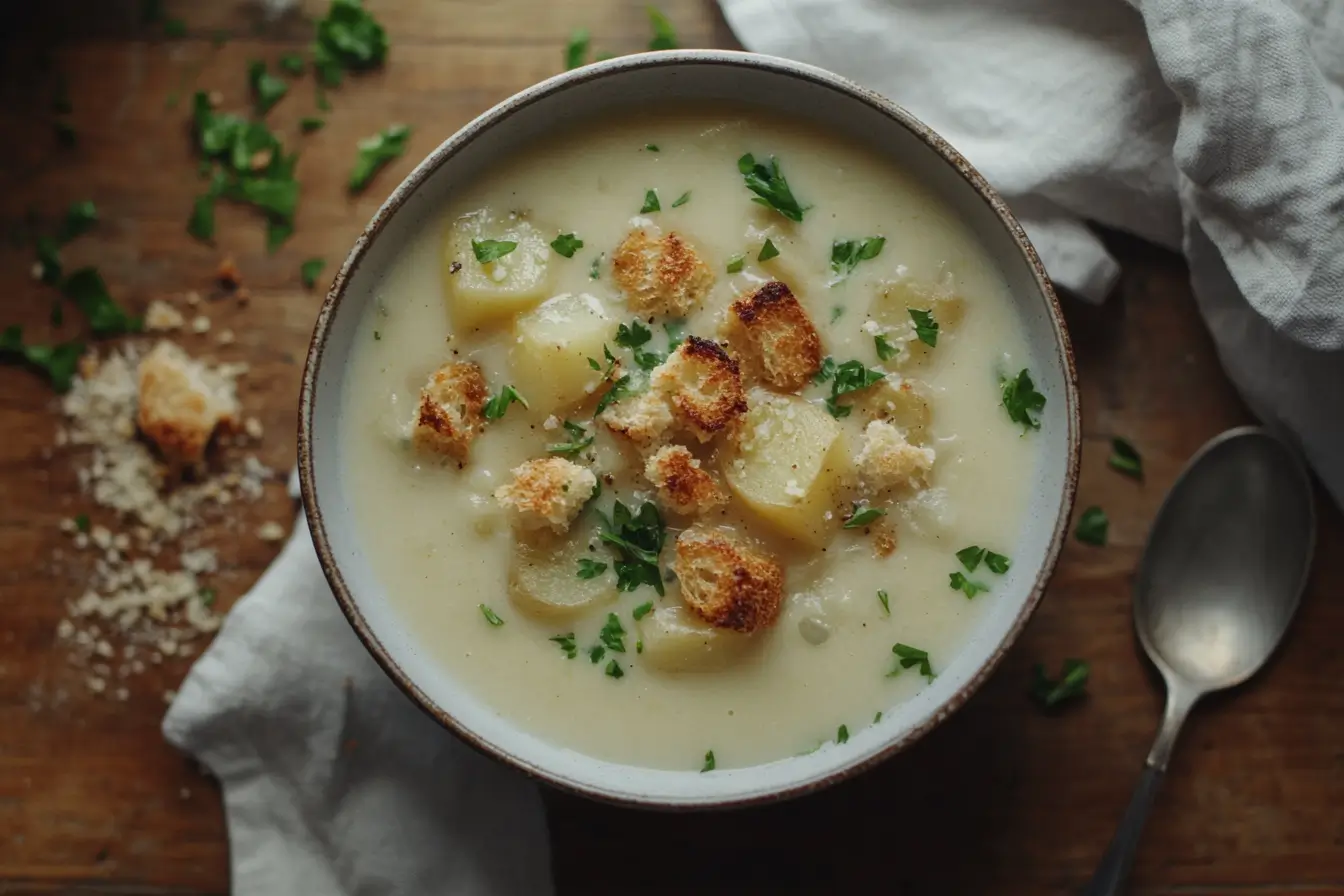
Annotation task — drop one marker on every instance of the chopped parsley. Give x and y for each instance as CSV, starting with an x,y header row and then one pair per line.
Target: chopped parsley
x,y
862,515
682,199
842,735
926,328
676,333
735,264
612,634
566,244
877,718
651,147
826,371
997,563
57,362
850,376
634,337
267,89
348,38
639,539
596,270
846,254
79,220
1021,400
310,123
207,596
1093,527
621,388
837,312
82,522
709,762
576,51
490,616
908,657
496,406
1071,684
664,35
651,203
590,569
639,646
487,251
86,289
614,670
49,260
768,251
291,63
885,350
886,602
970,588
643,610
770,187
566,644
310,270
595,653
375,152
970,557
579,439
1125,458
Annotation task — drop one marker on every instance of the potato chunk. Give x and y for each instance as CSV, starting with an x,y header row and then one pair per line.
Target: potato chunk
x,y
549,356
480,293
676,641
544,580
788,465
727,582
892,309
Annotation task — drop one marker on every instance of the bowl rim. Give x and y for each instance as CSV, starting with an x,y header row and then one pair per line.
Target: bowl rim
x,y
548,88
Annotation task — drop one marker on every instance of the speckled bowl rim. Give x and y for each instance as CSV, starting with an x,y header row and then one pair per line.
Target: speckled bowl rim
x,y
544,91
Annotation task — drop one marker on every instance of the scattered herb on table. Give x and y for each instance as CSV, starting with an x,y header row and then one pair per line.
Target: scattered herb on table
x,y
682,199
862,515
664,35
709,762
643,610
885,350
590,569
377,151
886,602
487,251
310,123
908,657
926,328
1125,458
848,377
639,539
735,264
491,616
310,270
651,203
292,64
267,89
566,244
496,406
579,439
79,220
634,337
770,187
347,39
566,644
1021,400
1093,527
82,522
1071,684
614,670
576,50
57,362
87,291
968,587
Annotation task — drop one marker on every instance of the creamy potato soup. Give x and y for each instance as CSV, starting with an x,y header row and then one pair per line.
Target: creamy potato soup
x,y
693,439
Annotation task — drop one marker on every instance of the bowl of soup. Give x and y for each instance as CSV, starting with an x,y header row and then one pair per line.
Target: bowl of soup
x,y
691,429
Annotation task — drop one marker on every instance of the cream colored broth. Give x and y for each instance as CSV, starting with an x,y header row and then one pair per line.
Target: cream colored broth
x,y
437,540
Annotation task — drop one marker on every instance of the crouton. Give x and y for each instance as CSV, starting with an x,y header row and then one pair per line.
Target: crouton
x,y
727,583
660,275
704,386
778,335
887,459
643,419
181,403
683,487
449,416
548,491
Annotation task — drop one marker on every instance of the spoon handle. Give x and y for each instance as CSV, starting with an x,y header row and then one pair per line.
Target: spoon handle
x,y
1111,874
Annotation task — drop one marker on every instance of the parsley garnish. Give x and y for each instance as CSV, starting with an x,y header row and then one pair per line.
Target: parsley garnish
x,y
614,670
207,596
676,333
682,199
633,337
578,441
959,582
86,289
842,735
267,89
310,123
768,251
709,762
495,407
826,371
885,350
595,653
837,312
664,35
596,270
310,269
590,569
1072,683
639,646
82,522
1125,458
877,718
487,251
57,362
567,645
377,151
846,254
348,38
970,557
651,147
770,187
291,63
79,220
49,260
735,263
620,389
566,244
1092,527
1021,400
612,634
862,516
639,539
490,616
651,203
908,657
886,602
926,328
643,610
850,376
997,563
576,51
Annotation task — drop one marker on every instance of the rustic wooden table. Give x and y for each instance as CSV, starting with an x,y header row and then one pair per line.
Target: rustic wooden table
x,y
1002,799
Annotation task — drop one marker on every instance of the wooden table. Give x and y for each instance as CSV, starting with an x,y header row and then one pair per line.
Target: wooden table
x,y
1001,800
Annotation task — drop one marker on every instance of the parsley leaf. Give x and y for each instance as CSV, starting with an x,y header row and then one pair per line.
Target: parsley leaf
x,y
79,220
886,602
826,372
595,653
1021,400
310,123
958,582
682,199
377,151
490,616
49,260
908,657
566,244
639,539
1071,684
651,203
1093,527
57,362
926,328
836,313
620,389
310,270
846,254
997,563
86,289
590,569
768,251
735,264
643,610
612,634
567,645
292,63
487,251
848,377
595,271
710,764
842,735
877,718
267,89
633,337
1125,458
348,38
676,333
664,35
652,147
862,515
82,523
578,441
614,670
770,187
970,557
576,51
496,406
885,350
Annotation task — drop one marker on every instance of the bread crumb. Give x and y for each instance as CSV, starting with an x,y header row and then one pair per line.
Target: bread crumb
x,y
228,274
160,316
253,428
225,337
200,324
887,460
271,531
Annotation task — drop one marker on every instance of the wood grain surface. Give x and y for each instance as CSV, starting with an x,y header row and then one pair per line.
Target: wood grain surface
x,y
1000,800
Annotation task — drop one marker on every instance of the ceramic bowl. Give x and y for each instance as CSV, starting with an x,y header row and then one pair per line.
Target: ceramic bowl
x,y
778,86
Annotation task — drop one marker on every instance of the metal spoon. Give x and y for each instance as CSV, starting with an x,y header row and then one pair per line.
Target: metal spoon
x,y
1220,579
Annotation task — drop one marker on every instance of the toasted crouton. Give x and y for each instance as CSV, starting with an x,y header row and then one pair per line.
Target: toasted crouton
x,y
727,583
449,416
660,275
644,419
779,336
181,402
887,459
683,486
548,491
704,386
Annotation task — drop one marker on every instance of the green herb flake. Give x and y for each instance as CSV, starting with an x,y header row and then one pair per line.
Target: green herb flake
x,y
842,735
86,289
651,203
863,515
877,718
579,439
267,89
848,377
997,563
770,187
682,199
652,147
79,220
926,328
826,372
590,569
612,634
846,254
311,123
1021,400
57,362
595,653
567,644
576,50
1125,458
377,337
768,251
201,224
347,39
639,538
1093,527
735,264
908,657
310,269
174,28
292,63
487,251
207,597
566,244
1071,684
614,670
643,610
595,271
496,406
970,557
837,312
490,616
664,35
82,523
885,601
885,350
377,151
639,646
634,338
621,389
676,333
709,765
968,587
